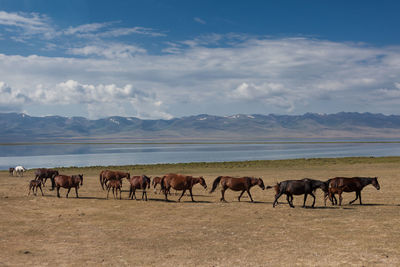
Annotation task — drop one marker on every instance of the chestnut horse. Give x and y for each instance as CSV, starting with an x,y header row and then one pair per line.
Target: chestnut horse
x,y
305,186
115,185
107,175
138,182
237,184
339,185
180,182
155,182
35,184
44,173
68,182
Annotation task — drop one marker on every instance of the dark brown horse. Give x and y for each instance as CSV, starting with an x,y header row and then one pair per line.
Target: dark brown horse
x,y
139,182
65,181
44,173
11,171
338,185
304,187
116,186
107,175
237,184
180,182
35,184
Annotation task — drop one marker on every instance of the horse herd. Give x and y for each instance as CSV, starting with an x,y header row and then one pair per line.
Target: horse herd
x,y
112,180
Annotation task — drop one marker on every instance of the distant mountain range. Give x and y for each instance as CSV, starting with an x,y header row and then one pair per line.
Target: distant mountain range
x,y
15,127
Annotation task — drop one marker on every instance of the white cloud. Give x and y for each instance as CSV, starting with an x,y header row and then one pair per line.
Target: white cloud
x,y
109,50
199,20
27,24
86,28
252,76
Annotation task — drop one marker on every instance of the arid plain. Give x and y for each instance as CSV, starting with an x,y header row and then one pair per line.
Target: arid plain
x,y
91,230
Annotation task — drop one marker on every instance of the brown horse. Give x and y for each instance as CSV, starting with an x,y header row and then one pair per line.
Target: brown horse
x,y
11,171
35,184
44,173
138,182
65,181
339,185
305,186
156,181
180,182
116,186
107,175
237,184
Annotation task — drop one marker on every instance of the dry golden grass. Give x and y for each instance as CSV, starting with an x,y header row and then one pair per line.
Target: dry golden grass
x,y
94,231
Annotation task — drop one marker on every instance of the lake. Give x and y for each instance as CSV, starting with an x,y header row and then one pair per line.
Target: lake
x,y
66,155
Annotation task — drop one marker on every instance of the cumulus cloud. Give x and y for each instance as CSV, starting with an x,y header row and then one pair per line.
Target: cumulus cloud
x,y
255,75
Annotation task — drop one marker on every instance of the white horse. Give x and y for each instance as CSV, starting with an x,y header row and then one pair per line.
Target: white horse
x,y
19,170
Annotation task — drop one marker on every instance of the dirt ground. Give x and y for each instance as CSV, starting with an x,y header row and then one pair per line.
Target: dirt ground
x,y
92,231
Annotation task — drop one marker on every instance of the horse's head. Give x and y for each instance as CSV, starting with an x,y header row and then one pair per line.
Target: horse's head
x,y
260,183
203,182
375,183
55,173
81,178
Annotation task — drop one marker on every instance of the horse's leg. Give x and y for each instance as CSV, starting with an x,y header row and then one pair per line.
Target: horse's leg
x,y
58,191
223,194
248,192
241,195
145,192
290,203
311,194
305,198
277,196
53,184
340,197
120,196
351,202
108,191
40,187
191,194
183,192
166,193
69,189
76,192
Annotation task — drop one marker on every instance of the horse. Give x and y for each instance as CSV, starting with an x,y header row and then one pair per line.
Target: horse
x,y
68,182
338,185
138,182
11,171
305,186
35,184
19,170
180,182
115,185
44,173
155,182
107,175
237,184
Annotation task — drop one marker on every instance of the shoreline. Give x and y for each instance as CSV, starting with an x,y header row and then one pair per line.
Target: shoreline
x,y
257,164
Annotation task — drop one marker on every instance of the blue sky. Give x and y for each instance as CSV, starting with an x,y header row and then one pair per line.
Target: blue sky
x,y
164,59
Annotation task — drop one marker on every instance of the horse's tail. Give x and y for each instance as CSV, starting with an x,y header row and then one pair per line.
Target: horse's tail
x,y
215,183
162,183
101,180
276,187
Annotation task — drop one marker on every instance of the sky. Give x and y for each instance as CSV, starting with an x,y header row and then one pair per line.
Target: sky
x,y
163,59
